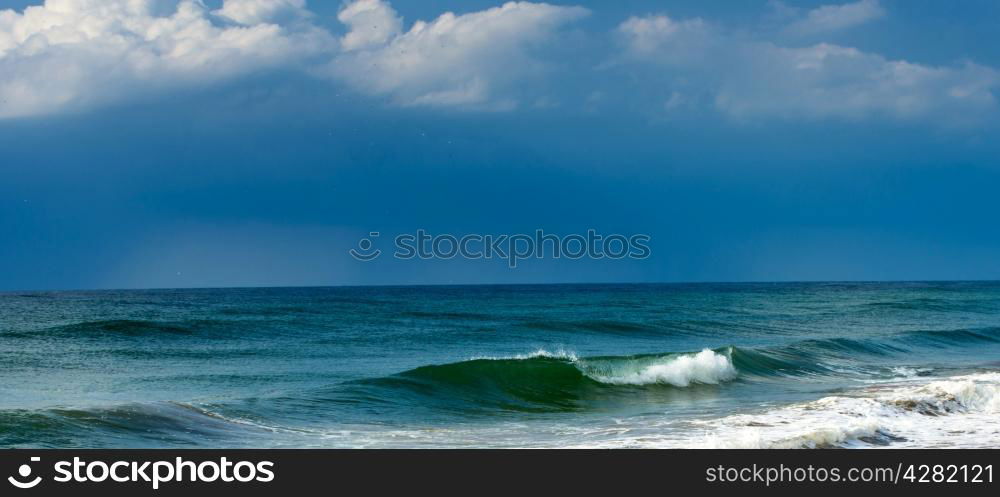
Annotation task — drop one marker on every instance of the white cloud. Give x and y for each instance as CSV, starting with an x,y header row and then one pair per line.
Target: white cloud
x,y
830,81
779,11
371,24
73,54
749,79
69,55
250,12
664,38
455,60
830,18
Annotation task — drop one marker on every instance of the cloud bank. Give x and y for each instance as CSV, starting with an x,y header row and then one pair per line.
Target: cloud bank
x,y
73,55
748,78
831,18
252,12
454,60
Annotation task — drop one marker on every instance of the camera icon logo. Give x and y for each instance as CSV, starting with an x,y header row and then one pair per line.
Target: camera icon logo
x,y
25,472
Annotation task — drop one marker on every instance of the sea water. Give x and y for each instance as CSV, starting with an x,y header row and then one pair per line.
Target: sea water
x,y
783,365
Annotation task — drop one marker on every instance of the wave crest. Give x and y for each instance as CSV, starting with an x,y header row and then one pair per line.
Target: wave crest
x,y
706,367
542,381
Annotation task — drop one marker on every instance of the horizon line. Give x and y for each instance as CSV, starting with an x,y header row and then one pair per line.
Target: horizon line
x,y
426,285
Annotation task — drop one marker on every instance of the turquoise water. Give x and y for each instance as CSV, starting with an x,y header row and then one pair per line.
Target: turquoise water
x,y
701,365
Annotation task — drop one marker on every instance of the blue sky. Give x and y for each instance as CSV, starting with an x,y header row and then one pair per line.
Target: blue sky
x,y
156,143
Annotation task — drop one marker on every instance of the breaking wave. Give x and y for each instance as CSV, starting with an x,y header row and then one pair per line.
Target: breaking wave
x,y
949,412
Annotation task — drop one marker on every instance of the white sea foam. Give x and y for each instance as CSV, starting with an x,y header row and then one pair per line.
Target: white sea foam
x,y
952,412
905,372
558,354
705,367
540,353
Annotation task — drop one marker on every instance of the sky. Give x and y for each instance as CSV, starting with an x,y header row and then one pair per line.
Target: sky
x,y
174,144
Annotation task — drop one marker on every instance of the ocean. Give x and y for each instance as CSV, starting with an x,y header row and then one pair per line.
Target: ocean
x,y
782,365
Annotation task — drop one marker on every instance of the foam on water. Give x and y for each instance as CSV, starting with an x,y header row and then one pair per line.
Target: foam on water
x,y
537,354
706,367
951,412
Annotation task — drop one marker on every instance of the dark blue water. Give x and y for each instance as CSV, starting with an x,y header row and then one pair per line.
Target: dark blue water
x,y
811,365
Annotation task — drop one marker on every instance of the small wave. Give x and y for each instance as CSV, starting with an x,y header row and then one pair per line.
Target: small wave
x,y
174,423
448,315
825,351
540,353
951,337
126,328
907,372
603,326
